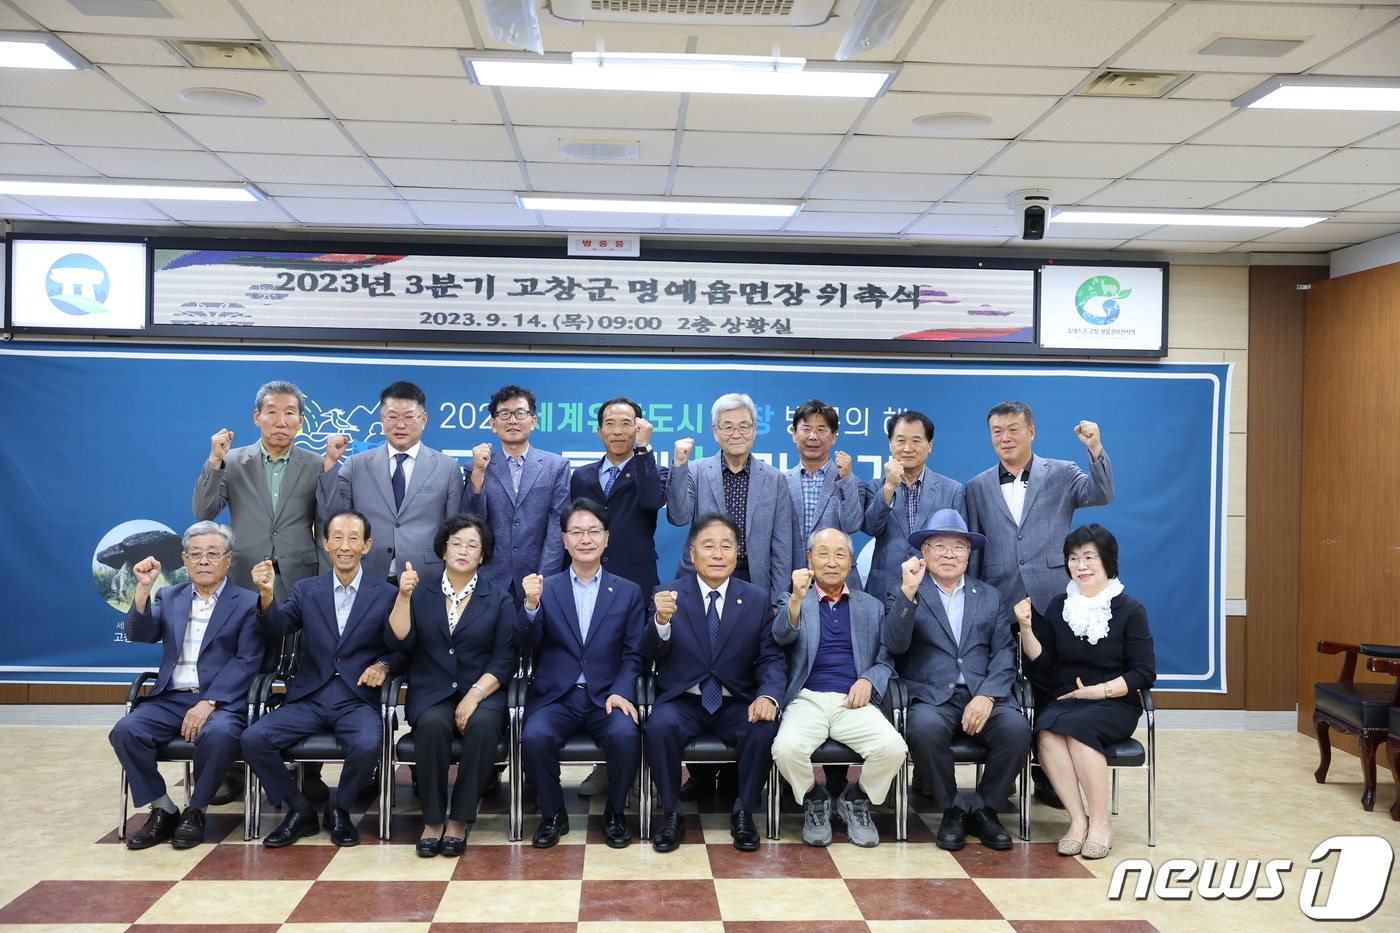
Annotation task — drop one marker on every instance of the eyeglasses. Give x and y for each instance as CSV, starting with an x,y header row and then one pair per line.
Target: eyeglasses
x,y
1087,560
951,550
805,431
199,557
520,414
466,547
593,534
396,418
729,430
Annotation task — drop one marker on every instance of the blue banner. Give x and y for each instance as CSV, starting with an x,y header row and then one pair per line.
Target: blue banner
x,y
103,447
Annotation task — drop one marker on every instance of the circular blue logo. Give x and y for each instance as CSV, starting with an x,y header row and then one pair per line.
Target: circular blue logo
x,y
78,285
1097,299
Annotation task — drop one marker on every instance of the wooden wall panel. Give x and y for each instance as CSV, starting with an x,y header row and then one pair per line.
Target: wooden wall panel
x,y
1349,563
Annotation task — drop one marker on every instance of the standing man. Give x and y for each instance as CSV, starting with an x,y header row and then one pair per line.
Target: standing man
x,y
901,504
522,492
838,669
584,627
717,670
951,638
403,487
343,617
825,494
211,651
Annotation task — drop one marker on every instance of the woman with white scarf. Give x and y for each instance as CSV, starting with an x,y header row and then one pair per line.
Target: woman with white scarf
x,y
1092,650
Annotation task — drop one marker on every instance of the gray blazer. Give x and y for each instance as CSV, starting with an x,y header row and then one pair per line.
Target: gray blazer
x,y
871,656
697,488
841,504
259,532
525,523
889,526
405,534
1028,560
919,637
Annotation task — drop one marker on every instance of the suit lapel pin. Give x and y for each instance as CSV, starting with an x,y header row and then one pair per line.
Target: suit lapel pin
x,y
738,602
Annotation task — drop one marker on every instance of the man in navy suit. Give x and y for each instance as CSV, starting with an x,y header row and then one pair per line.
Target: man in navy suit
x,y
950,635
584,627
717,670
403,487
343,616
521,490
211,653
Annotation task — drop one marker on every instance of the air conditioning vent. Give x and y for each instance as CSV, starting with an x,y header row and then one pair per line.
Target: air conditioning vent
x,y
1139,84
240,55
697,12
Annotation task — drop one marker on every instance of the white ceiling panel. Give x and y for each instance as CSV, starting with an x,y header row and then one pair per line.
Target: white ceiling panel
x,y
276,136
13,134
364,192
944,156
771,114
1294,128
347,212
1073,160
534,107
1336,234
1143,193
681,223
13,207
89,127
472,215
161,87
455,173
39,160
1224,87
1095,244
862,207
1377,166
1230,235
1281,196
757,150
153,163
410,99
221,212
975,80
125,50
64,90
742,182
995,189
1389,139
1006,225
893,114
191,19
433,140
1089,120
1229,163
541,143
1073,33
310,170
100,210
372,59
463,195
600,178
1179,245
1378,55
837,223
426,23
918,190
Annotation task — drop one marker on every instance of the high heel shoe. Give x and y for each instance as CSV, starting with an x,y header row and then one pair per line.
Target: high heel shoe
x,y
428,847
1070,845
1092,850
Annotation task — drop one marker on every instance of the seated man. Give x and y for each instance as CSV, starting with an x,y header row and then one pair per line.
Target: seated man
x,y
212,652
717,670
584,627
343,616
951,638
838,669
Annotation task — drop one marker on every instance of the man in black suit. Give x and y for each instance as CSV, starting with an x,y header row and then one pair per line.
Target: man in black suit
x,y
343,616
718,670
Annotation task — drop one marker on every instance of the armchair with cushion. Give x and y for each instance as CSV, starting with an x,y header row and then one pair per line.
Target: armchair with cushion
x,y
1392,741
1361,710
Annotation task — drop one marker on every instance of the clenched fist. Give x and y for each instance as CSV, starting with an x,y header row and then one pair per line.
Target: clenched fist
x,y
533,585
644,429
912,571
843,464
894,472
1088,433
1023,612
665,602
481,458
147,572
219,443
680,456
802,579
335,449
264,577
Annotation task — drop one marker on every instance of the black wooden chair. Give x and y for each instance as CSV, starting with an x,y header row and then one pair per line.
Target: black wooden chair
x,y
1392,741
1361,710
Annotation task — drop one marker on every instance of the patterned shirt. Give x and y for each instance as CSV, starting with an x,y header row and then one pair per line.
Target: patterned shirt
x,y
736,502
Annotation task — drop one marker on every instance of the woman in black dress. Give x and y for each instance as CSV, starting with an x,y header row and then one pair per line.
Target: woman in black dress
x,y
459,631
1092,650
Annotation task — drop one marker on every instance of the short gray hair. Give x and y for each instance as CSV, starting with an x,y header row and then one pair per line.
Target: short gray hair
x,y
730,402
279,388
811,538
207,528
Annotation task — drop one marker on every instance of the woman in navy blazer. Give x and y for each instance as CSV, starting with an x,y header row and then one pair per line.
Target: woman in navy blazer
x,y
458,631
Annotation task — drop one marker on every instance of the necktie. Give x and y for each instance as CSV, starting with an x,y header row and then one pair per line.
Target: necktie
x,y
396,479
612,478
710,693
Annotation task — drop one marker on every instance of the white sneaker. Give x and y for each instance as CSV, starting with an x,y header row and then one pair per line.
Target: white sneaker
x,y
860,829
596,783
816,818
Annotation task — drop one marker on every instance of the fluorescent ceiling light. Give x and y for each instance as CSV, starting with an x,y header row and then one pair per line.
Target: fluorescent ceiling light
x,y
678,74
38,50
148,190
1094,215
615,205
1319,92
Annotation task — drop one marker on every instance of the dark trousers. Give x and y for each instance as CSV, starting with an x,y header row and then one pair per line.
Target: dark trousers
x,y
433,732
157,719
549,726
333,708
675,722
1006,736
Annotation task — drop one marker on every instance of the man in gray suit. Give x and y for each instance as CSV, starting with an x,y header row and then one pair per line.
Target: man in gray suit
x,y
404,488
902,502
838,669
522,491
825,494
950,635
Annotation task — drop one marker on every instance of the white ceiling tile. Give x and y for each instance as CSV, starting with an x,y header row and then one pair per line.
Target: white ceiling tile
x,y
893,114
161,87
723,225
1378,55
1389,139
410,99
464,195
1090,121
541,143
1088,243
190,19
1366,217
311,170
153,163
1224,87
995,189
955,204
860,206
1336,234
433,141
273,135
349,212
1380,166
1006,225
372,59
1073,33
426,23
594,109
1073,160
98,210
11,208
18,159
919,190
1179,245
222,212
1294,127
1282,196
13,19
363,192
599,178
1386,202
771,114
87,127
472,214
124,50
945,241
973,80
818,222
757,150
741,182
1171,194
453,173
1199,233
1228,163
945,156
13,134
64,90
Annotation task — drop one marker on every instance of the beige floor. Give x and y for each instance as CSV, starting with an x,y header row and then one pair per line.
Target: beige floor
x,y
1222,795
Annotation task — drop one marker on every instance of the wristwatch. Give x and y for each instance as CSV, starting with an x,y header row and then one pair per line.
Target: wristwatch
x,y
641,449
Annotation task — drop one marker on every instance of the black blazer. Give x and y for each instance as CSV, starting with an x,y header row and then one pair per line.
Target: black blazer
x,y
443,665
633,504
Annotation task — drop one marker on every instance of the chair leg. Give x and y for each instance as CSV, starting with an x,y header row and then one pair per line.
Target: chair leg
x,y
1393,755
121,826
775,793
1113,804
1324,748
644,798
1367,743
252,804
901,801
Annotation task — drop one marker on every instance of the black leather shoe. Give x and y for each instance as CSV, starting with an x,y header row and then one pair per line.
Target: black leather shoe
x,y
742,828
551,828
984,825
453,847
668,837
313,788
952,831
615,831
296,824
342,828
695,787
160,826
429,847
190,832
230,788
